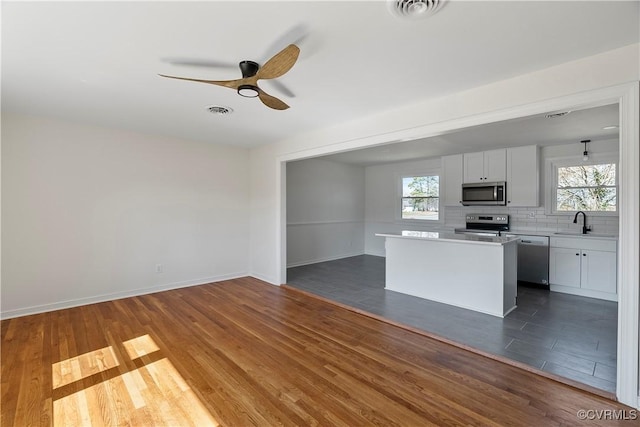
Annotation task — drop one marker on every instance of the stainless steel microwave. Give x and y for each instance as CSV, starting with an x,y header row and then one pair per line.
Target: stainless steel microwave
x,y
484,194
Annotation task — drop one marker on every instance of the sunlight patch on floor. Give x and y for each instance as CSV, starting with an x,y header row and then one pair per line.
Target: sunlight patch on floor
x,y
83,366
140,346
154,394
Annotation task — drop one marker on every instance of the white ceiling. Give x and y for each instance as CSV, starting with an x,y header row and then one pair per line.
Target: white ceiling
x,y
97,62
535,130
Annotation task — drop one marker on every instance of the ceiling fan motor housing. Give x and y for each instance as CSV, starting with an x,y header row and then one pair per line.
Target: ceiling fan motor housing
x,y
249,68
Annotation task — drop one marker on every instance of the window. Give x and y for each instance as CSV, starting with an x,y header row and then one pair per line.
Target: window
x,y
585,187
421,197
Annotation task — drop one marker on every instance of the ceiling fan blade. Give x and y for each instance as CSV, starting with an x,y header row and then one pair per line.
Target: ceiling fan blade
x,y
200,63
271,101
280,63
281,88
233,84
294,35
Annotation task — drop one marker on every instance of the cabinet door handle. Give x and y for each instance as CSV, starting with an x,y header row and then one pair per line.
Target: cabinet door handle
x,y
584,254
577,254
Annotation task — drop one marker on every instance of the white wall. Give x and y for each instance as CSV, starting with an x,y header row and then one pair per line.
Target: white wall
x,y
325,211
88,213
383,205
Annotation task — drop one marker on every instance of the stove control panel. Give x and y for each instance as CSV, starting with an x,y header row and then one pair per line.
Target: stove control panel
x,y
497,219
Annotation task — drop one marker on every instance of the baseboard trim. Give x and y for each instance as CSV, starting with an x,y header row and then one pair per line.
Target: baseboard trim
x,y
37,309
315,261
583,292
269,280
374,253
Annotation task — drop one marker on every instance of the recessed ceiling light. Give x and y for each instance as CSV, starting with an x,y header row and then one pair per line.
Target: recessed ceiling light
x,y
556,115
610,127
219,110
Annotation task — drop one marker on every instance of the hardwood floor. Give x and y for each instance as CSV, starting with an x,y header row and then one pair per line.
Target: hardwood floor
x,y
563,335
242,352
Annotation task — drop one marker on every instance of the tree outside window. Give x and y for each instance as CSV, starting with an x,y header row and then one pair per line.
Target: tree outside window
x,y
421,197
587,188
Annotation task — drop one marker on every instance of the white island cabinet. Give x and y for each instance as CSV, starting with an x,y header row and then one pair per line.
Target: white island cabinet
x,y
473,272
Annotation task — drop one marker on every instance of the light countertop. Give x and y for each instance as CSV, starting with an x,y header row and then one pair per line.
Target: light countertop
x,y
448,236
563,234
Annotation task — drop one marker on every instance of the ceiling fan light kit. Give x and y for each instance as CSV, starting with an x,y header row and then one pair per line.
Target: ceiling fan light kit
x,y
247,86
248,91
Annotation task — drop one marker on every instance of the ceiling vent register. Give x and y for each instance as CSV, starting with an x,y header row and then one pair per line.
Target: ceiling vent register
x,y
414,9
219,110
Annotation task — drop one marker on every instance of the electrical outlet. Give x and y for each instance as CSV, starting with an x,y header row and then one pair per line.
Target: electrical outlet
x,y
158,268
532,214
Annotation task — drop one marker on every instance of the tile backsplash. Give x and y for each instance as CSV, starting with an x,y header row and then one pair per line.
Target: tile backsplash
x,y
534,219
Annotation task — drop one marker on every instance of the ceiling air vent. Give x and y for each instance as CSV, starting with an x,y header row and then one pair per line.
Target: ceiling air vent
x,y
414,9
219,110
558,114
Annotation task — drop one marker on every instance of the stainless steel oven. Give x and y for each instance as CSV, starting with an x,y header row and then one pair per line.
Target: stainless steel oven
x,y
484,194
485,224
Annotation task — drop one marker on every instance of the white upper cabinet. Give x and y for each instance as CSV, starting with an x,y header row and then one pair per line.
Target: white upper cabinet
x,y
518,167
485,166
495,165
523,180
452,177
473,167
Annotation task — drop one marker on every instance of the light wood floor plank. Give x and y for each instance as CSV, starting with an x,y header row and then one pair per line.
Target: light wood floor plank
x,y
242,352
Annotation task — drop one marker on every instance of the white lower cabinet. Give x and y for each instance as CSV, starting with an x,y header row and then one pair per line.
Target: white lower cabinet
x,y
584,266
598,271
564,267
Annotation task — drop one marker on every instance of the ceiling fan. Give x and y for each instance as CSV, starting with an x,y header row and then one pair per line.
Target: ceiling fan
x,y
247,86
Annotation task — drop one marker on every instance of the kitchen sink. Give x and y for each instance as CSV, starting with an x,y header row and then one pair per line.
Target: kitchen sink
x,y
569,233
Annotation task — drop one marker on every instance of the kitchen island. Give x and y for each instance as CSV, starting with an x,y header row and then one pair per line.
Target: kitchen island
x,y
468,271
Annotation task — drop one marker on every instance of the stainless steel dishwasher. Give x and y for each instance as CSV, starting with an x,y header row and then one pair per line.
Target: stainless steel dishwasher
x,y
533,258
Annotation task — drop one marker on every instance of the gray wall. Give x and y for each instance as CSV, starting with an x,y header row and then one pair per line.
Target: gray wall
x,y
325,211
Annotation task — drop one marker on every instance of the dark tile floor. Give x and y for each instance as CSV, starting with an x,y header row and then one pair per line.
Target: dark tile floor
x,y
571,336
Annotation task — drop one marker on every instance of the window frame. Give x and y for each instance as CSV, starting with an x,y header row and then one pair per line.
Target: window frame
x,y
398,203
551,174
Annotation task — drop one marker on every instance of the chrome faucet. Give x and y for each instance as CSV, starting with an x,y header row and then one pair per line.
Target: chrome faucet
x,y
584,221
